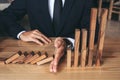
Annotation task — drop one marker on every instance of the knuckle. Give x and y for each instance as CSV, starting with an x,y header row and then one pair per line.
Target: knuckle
x,y
32,35
35,29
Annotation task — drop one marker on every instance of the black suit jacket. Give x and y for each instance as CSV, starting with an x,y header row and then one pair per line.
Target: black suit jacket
x,y
75,14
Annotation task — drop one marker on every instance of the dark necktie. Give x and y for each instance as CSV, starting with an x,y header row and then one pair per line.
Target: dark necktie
x,y
57,14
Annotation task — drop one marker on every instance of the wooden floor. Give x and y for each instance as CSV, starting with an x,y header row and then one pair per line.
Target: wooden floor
x,y
110,69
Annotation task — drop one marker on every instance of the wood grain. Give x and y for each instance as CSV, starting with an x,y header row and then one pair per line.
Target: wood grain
x,y
83,48
93,20
69,56
43,56
77,44
101,36
110,69
45,61
13,57
30,59
2,62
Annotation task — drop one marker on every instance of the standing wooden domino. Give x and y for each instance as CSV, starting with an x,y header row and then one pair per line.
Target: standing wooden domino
x,y
69,55
92,35
84,50
77,43
43,56
101,36
13,57
45,60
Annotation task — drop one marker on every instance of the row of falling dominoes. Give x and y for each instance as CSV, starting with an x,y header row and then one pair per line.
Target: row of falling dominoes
x,y
28,58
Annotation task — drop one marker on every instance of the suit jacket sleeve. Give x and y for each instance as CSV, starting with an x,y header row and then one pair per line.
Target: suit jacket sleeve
x,y
11,15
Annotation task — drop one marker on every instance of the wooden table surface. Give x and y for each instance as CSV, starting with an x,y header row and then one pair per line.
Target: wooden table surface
x,y
110,69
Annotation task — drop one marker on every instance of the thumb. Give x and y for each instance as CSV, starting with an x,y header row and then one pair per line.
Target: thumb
x,y
58,42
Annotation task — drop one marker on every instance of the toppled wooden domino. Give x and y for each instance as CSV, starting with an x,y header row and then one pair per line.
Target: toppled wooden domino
x,y
43,56
45,61
2,62
21,58
33,57
13,57
29,56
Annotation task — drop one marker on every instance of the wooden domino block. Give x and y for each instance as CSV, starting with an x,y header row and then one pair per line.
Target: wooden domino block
x,y
90,57
101,36
18,60
45,61
76,50
69,55
29,56
2,62
83,50
33,57
21,58
13,57
93,20
98,57
43,56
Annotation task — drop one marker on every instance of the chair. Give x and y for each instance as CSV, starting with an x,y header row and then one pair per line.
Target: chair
x,y
114,8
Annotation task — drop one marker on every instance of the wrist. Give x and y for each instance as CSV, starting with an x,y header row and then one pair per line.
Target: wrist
x,y
68,43
19,34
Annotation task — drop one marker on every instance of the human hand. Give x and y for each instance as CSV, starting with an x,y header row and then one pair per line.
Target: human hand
x,y
60,46
35,36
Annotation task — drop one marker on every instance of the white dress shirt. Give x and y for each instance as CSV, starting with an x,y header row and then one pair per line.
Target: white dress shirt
x,y
51,6
51,10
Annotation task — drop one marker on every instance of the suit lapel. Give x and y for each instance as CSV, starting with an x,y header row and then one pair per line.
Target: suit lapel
x,y
47,19
46,9
65,13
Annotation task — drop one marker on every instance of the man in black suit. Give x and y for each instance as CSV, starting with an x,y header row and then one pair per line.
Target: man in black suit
x,y
75,14
2,29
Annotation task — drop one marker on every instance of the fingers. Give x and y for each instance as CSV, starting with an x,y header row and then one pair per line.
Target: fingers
x,y
37,41
35,36
53,66
40,37
44,38
59,52
59,47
